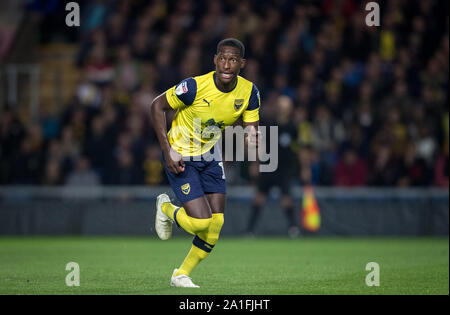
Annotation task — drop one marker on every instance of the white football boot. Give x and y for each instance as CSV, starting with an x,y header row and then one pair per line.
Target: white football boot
x,y
182,281
163,224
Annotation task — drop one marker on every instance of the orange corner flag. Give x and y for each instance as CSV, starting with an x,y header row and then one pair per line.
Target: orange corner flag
x,y
310,211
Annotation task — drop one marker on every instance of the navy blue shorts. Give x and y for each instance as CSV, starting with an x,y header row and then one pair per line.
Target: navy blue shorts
x,y
199,178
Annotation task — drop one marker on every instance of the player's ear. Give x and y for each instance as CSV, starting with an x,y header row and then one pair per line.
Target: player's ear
x,y
243,63
215,60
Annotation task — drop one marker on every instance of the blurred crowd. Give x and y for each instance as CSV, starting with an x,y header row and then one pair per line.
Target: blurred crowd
x,y
368,105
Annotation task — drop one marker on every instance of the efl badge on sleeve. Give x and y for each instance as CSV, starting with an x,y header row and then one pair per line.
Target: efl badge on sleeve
x,y
186,188
238,103
181,88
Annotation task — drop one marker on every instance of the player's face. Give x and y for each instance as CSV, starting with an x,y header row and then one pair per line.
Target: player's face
x,y
228,64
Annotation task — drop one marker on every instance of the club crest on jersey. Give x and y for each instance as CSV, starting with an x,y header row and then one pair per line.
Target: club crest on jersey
x,y
238,103
186,188
181,88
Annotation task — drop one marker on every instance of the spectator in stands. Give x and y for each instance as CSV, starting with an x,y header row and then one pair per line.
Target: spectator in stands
x,y
83,175
52,176
116,30
27,164
383,168
11,133
350,170
70,149
125,172
397,131
413,170
441,171
426,144
327,134
98,69
153,167
98,146
94,14
127,70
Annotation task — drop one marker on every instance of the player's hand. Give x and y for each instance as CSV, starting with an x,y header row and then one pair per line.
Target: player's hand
x,y
174,161
253,138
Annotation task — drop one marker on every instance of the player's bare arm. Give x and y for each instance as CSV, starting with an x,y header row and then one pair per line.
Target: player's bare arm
x,y
158,110
252,138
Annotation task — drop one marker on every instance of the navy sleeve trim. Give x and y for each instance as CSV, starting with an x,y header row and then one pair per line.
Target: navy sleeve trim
x,y
254,101
186,91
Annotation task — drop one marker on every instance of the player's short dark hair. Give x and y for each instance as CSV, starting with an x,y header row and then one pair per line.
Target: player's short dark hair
x,y
233,42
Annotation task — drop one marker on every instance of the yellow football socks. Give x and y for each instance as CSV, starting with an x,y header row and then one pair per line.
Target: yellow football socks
x,y
211,235
187,223
206,233
169,209
203,243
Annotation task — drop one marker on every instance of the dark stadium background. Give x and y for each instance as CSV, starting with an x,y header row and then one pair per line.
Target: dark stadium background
x,y
368,131
370,103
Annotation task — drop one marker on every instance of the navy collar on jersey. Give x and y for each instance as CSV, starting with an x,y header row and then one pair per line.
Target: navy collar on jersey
x,y
214,79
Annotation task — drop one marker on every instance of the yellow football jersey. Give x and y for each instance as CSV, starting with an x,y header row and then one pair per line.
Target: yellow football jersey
x,y
204,111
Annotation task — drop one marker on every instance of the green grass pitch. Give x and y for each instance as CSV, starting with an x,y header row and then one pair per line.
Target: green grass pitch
x,y
236,266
